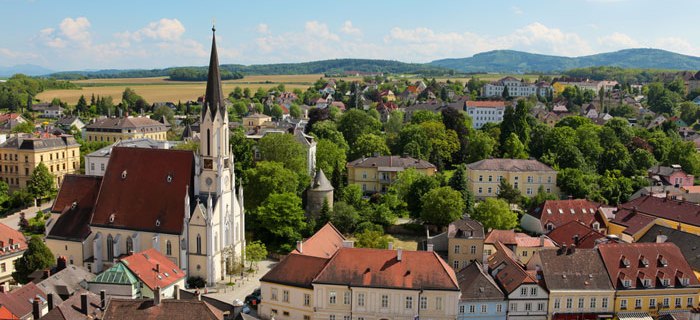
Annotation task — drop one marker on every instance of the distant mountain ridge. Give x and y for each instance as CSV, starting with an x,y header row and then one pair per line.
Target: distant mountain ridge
x,y
27,69
511,61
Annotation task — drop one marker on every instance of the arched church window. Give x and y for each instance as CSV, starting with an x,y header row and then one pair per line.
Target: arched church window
x,y
199,244
110,248
129,245
168,248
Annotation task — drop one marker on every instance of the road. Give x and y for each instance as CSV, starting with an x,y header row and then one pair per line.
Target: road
x,y
242,288
12,220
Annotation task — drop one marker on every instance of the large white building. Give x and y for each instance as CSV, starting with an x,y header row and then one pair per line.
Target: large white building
x,y
516,88
483,112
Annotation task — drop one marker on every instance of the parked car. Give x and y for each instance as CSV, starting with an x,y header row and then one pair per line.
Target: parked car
x,y
254,298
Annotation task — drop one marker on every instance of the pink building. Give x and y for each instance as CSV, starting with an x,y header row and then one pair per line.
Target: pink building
x,y
670,176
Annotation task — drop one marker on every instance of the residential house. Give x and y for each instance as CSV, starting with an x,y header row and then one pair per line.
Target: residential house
x,y
387,95
576,233
376,174
115,129
483,112
21,302
670,176
323,244
515,87
82,305
118,282
526,294
255,120
53,112
156,309
554,213
12,247
68,122
520,244
481,297
385,109
560,109
465,239
664,191
10,120
686,242
67,281
21,154
156,272
525,175
634,218
96,162
650,278
577,282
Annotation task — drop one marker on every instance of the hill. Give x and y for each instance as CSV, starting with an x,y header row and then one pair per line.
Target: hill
x,y
510,61
26,69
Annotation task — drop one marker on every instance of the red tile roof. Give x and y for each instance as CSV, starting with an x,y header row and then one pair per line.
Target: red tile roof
x,y
675,210
506,237
9,237
567,233
136,194
70,308
7,116
153,268
19,301
380,268
510,274
525,241
560,212
169,309
653,261
73,223
296,270
485,104
323,244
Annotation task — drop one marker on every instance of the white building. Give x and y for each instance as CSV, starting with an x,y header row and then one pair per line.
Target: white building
x,y
516,88
483,112
96,162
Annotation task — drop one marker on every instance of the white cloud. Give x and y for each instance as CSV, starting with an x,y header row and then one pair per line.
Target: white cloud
x,y
76,29
320,31
162,30
263,28
349,29
516,10
677,44
617,40
540,38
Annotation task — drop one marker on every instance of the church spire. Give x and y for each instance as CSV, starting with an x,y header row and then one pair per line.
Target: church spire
x,y
214,98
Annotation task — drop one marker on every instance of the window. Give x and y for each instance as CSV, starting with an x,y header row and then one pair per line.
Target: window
x,y
593,302
409,302
438,303
385,301
102,167
483,308
3,267
499,308
346,297
481,178
690,302
533,291
347,318
129,245
513,306
623,304
481,190
515,185
332,297
549,179
666,302
168,248
580,303
423,303
557,303
456,249
110,248
331,317
273,311
489,190
529,191
472,308
285,295
92,166
307,299
472,250
604,303
461,309
638,303
524,253
569,302
528,306
455,264
523,292
652,303
361,299
273,294
307,317
540,306
199,244
490,178
529,179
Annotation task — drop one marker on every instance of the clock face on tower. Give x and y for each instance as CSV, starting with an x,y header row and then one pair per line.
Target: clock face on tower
x,y
209,181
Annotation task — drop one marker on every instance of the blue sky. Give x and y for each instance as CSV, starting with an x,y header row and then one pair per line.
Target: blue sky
x,y
74,35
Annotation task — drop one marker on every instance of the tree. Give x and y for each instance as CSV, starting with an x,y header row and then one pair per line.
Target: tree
x,y
441,206
330,157
284,148
164,111
344,217
577,183
421,116
295,111
242,151
354,123
24,127
281,221
81,106
370,238
267,178
495,214
421,186
505,94
368,145
352,195
37,257
327,129
41,182
277,113
255,251
507,192
513,148
458,181
480,147
541,196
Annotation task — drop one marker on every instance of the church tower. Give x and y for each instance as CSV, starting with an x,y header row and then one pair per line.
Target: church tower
x,y
216,180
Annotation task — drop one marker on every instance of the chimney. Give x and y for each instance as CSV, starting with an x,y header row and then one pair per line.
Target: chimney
x,y
399,254
300,246
177,292
47,274
36,308
157,267
541,240
576,239
348,244
84,303
572,249
563,248
391,246
156,296
49,300
60,263
4,287
103,299
430,247
660,238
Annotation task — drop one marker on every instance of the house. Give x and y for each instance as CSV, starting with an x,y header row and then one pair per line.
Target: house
x,y
554,213
376,174
516,88
576,233
527,297
67,281
124,128
657,121
96,162
156,309
664,191
187,206
387,95
465,238
385,109
66,123
560,109
13,244
155,272
10,120
521,245
82,305
686,242
21,302
255,120
634,218
21,154
53,112
361,282
649,278
481,297
483,112
670,176
525,175
322,244
328,89
577,282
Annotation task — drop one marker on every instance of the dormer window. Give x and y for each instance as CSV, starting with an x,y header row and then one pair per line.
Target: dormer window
x,y
685,281
646,283
549,211
625,262
561,211
663,261
626,283
572,211
169,178
111,218
596,226
665,282
644,261
157,222
73,205
124,174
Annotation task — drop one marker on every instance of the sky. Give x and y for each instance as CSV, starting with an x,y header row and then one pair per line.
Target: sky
x,y
89,35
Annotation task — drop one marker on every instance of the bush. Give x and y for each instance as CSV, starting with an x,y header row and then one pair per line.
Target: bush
x,y
196,282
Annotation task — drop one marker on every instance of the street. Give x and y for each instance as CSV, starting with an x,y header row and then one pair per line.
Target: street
x,y
12,219
242,288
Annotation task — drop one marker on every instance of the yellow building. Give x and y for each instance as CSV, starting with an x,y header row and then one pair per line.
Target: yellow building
x,y
375,174
522,245
634,218
651,278
12,247
255,120
20,155
115,129
465,243
485,176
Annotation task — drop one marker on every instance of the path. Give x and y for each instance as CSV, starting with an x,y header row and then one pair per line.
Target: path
x,y
242,288
12,219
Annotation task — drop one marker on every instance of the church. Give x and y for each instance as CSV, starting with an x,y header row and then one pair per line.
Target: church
x,y
186,205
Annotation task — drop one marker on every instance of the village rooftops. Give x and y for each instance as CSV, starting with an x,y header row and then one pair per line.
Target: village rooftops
x,y
388,162
466,228
108,124
485,104
476,284
687,242
559,212
153,268
296,270
40,142
575,233
578,269
169,309
512,165
323,244
640,212
75,202
510,274
12,242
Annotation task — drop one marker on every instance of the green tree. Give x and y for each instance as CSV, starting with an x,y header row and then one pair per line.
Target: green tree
x,y
421,186
191,145
578,184
495,214
277,113
513,148
615,187
480,147
164,111
421,116
330,157
36,257
295,111
441,206
541,196
41,182
458,181
255,251
344,217
354,123
369,145
24,127
327,129
505,94
507,192
81,106
284,148
267,178
370,238
281,221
